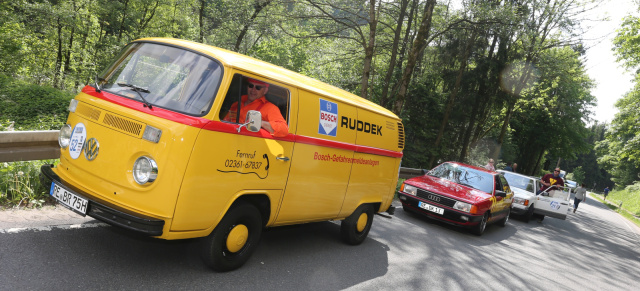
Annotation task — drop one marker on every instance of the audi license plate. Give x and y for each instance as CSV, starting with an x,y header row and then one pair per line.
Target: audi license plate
x,y
431,208
69,199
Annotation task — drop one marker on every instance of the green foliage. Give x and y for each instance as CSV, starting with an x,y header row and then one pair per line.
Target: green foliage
x,y
457,76
20,185
578,175
630,198
32,107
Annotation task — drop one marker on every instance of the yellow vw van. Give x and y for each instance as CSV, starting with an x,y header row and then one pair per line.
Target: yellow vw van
x,y
150,147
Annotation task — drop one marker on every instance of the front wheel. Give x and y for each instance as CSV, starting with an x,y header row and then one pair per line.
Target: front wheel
x,y
482,225
235,238
355,228
503,221
529,214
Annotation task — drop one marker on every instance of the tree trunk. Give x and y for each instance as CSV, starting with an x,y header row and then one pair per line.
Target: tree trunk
x,y
369,50
418,45
516,93
482,93
258,7
201,21
453,95
394,52
56,77
124,16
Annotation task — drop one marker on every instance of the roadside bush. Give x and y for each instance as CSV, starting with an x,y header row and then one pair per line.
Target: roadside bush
x,y
32,107
630,198
20,184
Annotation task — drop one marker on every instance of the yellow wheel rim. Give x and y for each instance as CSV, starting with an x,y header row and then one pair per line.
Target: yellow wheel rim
x,y
237,238
362,222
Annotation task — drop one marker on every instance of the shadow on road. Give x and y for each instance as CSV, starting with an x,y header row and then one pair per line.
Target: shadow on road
x,y
303,257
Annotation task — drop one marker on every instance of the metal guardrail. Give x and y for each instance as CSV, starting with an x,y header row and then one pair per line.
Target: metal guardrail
x,y
29,145
43,145
406,173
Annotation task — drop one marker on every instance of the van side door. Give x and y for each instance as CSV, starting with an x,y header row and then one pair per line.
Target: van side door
x,y
226,163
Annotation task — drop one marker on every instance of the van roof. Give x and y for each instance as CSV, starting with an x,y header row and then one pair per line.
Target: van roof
x,y
262,68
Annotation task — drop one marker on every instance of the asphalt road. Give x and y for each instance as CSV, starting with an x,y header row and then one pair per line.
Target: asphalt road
x,y
595,249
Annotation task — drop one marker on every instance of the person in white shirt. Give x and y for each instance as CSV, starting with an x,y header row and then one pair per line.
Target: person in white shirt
x,y
489,166
581,195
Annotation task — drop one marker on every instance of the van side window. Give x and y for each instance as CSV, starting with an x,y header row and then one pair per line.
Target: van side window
x,y
238,92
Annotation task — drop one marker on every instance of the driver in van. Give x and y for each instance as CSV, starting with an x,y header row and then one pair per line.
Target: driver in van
x,y
255,99
551,180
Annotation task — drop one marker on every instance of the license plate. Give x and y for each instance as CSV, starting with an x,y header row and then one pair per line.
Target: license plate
x,y
431,208
69,199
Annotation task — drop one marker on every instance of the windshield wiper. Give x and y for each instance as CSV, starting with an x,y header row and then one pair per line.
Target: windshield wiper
x,y
98,79
138,90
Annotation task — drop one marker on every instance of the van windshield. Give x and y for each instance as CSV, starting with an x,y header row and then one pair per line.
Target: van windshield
x,y
164,76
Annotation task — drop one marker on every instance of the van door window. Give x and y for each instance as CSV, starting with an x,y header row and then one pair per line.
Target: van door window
x,y
271,100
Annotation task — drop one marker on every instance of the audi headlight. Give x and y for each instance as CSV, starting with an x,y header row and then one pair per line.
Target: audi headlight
x,y
410,190
64,136
466,207
145,170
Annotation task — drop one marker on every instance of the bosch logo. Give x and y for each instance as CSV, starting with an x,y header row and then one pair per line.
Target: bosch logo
x,y
91,149
433,198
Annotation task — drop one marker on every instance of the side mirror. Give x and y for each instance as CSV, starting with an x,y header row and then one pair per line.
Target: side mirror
x,y
500,193
253,121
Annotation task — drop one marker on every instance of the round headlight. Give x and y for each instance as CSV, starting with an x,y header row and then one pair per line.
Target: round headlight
x,y
64,136
145,170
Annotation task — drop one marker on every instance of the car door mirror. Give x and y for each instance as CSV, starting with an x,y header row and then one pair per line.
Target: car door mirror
x,y
253,121
500,193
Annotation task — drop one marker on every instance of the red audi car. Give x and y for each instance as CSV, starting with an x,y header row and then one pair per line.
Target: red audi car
x,y
459,194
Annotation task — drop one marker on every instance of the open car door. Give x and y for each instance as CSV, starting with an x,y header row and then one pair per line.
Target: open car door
x,y
554,203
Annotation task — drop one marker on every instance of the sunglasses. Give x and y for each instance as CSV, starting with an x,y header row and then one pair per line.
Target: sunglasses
x,y
258,87
557,171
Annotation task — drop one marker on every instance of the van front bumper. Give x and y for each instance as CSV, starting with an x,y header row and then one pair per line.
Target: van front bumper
x,y
106,212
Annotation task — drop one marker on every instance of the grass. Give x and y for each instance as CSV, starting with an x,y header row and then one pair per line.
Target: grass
x,y
20,185
613,203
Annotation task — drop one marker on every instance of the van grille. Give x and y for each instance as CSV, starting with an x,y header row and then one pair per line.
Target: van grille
x,y
400,136
88,112
122,124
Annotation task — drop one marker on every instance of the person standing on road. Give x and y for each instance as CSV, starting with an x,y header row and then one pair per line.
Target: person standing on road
x,y
581,195
489,166
515,167
606,192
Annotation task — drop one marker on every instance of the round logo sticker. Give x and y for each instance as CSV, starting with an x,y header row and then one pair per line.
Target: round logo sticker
x,y
78,137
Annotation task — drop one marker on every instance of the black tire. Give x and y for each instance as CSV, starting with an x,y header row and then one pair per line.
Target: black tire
x,y
355,228
527,216
234,239
479,229
539,217
503,221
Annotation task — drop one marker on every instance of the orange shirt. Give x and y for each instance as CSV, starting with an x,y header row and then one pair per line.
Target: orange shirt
x,y
269,111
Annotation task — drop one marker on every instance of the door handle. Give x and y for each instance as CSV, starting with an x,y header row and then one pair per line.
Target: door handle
x,y
286,159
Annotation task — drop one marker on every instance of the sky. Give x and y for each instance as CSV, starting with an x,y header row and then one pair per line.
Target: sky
x,y
612,80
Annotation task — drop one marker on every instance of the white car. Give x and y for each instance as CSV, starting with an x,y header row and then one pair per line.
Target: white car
x,y
555,203
524,189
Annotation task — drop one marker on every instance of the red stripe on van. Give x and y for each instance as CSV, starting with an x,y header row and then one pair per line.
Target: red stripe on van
x,y
347,146
220,126
197,122
226,127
